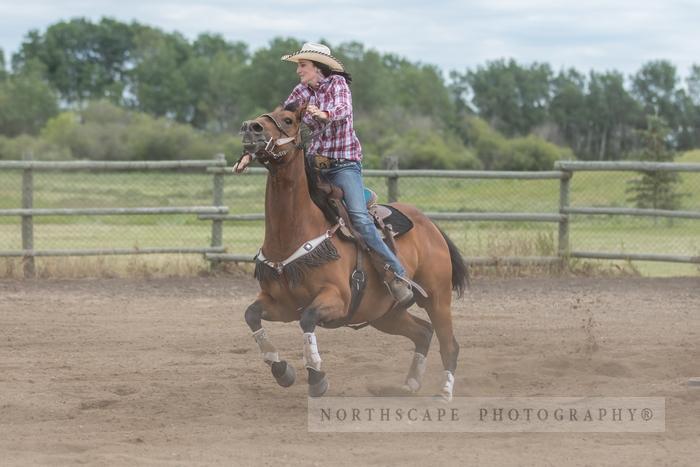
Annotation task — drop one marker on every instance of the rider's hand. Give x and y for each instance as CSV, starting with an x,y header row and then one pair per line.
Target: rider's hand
x,y
317,113
242,165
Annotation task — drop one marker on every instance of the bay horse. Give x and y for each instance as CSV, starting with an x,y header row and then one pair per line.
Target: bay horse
x,y
304,268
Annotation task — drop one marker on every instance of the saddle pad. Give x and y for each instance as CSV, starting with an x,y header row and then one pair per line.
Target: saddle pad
x,y
400,223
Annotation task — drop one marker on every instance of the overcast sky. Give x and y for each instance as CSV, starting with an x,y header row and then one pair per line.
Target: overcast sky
x,y
454,35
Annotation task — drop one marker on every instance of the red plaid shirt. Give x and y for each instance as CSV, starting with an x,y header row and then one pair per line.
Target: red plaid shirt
x,y
338,140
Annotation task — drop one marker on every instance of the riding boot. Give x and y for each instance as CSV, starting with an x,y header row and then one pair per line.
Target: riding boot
x,y
399,288
401,291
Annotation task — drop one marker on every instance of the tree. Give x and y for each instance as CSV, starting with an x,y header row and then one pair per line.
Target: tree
x,y
693,82
511,97
372,88
3,73
612,113
269,80
26,103
568,108
656,189
215,74
655,86
82,60
160,82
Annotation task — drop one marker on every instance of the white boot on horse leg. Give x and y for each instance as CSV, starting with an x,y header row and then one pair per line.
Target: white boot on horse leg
x,y
414,379
283,373
447,387
318,383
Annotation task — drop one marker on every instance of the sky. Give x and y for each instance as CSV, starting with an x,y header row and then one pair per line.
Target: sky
x,y
453,35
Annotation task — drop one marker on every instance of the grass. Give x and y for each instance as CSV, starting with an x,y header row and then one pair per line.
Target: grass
x,y
246,195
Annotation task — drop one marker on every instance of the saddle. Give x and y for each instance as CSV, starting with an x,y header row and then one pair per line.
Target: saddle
x,y
389,221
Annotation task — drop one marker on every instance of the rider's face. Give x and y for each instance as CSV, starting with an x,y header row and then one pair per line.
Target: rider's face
x,y
308,73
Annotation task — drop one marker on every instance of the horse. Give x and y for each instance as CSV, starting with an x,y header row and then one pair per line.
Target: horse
x,y
303,267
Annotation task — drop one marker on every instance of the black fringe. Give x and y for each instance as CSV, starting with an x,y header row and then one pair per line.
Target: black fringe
x,y
263,272
296,270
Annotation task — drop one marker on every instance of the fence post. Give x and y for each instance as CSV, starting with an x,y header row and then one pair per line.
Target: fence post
x,y
28,220
564,192
217,225
392,182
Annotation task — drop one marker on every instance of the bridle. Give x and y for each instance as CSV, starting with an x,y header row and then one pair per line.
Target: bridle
x,y
271,152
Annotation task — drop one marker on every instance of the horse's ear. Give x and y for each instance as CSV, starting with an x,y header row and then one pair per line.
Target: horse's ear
x,y
297,107
301,110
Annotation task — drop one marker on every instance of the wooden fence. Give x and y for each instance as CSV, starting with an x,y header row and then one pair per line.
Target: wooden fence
x,y
217,213
28,212
564,172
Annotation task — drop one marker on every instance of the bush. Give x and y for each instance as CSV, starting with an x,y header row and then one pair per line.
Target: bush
x,y
499,153
103,131
423,149
415,139
15,148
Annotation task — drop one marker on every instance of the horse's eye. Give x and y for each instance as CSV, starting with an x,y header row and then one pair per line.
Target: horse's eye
x,y
288,121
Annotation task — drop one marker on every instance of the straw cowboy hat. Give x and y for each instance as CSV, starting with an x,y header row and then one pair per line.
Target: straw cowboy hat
x,y
316,52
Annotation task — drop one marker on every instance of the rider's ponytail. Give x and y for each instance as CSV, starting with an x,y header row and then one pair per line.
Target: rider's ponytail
x,y
326,70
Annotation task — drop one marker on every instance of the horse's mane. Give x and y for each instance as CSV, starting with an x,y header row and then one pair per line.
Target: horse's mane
x,y
318,196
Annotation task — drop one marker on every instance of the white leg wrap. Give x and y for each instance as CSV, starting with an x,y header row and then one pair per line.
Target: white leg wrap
x,y
269,352
416,372
448,386
312,359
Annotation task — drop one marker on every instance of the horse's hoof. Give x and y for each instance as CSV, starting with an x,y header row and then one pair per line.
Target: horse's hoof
x,y
283,373
411,385
318,383
443,397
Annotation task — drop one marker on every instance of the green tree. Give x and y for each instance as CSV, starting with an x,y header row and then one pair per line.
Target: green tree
x,y
568,108
656,189
26,103
372,88
3,72
655,86
81,59
160,82
269,80
215,75
612,114
513,98
693,83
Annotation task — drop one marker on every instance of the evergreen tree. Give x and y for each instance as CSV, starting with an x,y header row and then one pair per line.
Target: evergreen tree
x,y
655,189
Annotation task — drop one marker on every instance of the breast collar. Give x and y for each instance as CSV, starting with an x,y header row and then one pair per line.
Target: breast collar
x,y
303,250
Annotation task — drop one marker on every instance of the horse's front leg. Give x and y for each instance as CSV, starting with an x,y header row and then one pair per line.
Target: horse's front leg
x,y
283,372
326,306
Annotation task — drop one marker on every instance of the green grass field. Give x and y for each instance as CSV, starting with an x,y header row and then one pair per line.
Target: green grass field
x,y
245,194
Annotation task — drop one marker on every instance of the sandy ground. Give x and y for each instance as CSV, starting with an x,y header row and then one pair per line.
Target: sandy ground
x,y
164,372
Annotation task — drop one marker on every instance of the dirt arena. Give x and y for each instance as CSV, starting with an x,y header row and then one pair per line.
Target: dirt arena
x,y
165,372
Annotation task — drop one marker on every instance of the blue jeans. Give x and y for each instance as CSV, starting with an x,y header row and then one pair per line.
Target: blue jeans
x,y
348,176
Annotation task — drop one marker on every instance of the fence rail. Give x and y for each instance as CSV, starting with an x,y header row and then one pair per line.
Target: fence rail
x,y
218,212
627,166
28,212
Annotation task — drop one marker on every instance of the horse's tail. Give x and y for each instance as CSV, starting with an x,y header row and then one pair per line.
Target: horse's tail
x,y
460,272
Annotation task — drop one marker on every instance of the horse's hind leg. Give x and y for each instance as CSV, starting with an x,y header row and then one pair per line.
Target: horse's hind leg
x,y
401,322
283,373
441,317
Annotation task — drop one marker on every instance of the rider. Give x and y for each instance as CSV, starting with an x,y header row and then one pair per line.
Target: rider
x,y
324,87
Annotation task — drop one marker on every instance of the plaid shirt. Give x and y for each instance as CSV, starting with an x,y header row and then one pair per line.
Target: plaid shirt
x,y
338,140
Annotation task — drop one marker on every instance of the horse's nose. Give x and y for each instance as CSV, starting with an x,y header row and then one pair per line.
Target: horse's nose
x,y
251,126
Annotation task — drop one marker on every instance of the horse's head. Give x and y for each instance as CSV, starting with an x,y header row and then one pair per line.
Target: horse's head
x,y
270,136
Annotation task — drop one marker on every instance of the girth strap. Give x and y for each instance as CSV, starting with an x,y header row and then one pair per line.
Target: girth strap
x,y
358,281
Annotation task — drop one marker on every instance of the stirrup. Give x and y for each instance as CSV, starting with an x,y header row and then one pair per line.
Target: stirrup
x,y
403,295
